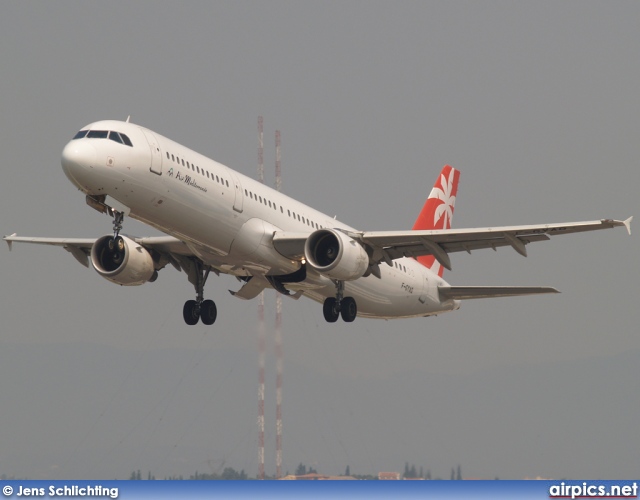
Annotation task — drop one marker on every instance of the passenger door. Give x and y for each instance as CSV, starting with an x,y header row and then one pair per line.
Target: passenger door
x,y
156,155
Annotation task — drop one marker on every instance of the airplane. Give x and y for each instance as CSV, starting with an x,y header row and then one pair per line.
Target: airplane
x,y
218,220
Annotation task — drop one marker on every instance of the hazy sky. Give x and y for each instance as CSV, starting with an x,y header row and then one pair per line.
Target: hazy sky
x,y
536,103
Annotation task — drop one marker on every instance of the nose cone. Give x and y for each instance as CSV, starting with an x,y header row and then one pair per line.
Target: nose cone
x,y
78,158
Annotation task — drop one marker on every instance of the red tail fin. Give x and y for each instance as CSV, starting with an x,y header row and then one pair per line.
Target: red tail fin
x,y
437,212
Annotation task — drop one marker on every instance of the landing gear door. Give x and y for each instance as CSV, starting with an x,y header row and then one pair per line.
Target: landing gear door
x,y
156,155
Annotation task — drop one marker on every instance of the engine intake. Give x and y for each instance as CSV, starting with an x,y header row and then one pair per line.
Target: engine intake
x,y
123,262
336,255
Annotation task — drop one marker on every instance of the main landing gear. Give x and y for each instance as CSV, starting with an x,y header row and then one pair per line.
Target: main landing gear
x,y
195,310
334,307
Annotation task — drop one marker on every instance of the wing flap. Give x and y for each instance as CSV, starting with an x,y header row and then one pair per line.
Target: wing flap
x,y
251,288
485,292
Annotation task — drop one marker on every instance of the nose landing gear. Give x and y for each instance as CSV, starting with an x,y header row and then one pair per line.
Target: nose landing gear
x,y
116,244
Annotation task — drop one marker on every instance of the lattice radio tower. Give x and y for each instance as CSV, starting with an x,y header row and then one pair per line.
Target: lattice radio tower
x,y
261,329
262,335
279,354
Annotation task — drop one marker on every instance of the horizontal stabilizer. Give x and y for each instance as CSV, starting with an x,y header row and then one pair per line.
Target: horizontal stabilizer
x,y
485,292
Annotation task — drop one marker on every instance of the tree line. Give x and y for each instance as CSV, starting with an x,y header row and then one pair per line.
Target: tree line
x,y
229,473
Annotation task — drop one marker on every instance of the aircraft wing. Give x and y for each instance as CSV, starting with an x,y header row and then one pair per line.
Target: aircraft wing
x,y
80,248
385,246
388,245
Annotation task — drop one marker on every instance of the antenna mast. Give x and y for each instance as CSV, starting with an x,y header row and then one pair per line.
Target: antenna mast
x,y
279,361
261,329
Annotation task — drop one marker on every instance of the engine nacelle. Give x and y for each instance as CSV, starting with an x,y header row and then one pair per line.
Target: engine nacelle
x,y
126,264
336,255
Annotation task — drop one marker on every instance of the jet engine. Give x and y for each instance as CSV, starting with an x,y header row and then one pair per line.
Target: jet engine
x,y
122,261
336,255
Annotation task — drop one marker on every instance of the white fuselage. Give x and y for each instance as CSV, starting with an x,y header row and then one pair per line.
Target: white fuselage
x,y
228,219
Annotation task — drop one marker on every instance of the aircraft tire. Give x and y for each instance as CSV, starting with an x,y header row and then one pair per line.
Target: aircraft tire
x,y
348,309
330,310
208,312
190,312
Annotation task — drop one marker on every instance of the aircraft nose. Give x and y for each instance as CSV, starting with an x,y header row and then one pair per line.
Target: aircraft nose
x,y
77,157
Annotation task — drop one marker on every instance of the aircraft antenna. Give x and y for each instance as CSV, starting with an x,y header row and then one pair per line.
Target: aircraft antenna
x,y
278,341
261,329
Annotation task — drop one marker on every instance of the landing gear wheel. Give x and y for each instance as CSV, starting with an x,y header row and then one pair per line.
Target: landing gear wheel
x,y
208,312
191,312
195,310
116,248
348,309
330,310
116,243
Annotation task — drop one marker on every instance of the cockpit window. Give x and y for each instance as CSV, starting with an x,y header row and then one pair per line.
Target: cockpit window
x,y
80,134
118,137
97,134
115,136
126,140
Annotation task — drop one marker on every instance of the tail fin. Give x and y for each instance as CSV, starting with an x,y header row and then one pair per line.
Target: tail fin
x,y
437,212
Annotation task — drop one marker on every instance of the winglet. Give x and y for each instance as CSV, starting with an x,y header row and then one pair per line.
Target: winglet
x,y
627,224
9,240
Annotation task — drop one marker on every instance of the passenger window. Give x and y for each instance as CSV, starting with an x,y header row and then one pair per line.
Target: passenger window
x,y
168,157
80,134
183,162
227,183
173,158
